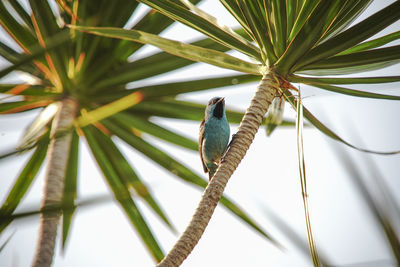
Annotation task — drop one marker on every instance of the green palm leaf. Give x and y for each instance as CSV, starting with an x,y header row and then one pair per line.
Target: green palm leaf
x,y
129,178
145,125
26,89
350,80
375,56
21,62
21,106
206,24
175,88
352,92
324,129
96,141
156,64
350,11
46,27
373,43
18,32
354,35
313,29
22,14
187,51
23,182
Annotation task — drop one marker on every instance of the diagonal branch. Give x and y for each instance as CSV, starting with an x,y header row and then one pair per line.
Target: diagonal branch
x,y
252,119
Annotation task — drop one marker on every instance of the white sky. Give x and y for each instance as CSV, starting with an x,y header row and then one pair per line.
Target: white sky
x,y
266,178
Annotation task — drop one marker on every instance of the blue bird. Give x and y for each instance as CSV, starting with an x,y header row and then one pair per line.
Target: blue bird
x,y
214,135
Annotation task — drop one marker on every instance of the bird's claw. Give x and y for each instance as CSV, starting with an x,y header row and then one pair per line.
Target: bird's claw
x,y
230,143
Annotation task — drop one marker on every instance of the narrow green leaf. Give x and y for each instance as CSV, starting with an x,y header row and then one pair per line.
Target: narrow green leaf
x,y
191,52
119,52
8,53
239,212
23,182
175,88
13,56
70,187
13,152
292,7
150,66
45,19
206,24
22,14
352,36
20,106
171,109
382,186
303,182
350,80
373,43
129,177
349,12
152,22
352,92
185,110
90,46
379,55
154,154
294,237
118,16
18,32
350,70
278,20
379,212
121,193
289,97
233,7
178,169
313,29
255,20
2,246
27,89
58,208
47,27
304,10
66,12
116,51
36,51
144,125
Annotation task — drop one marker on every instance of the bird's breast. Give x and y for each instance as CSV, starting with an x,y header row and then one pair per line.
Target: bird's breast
x,y
216,138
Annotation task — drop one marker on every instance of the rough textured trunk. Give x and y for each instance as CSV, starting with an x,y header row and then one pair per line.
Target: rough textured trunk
x,y
244,137
54,182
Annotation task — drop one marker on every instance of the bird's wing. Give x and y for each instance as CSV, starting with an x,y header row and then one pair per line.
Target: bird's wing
x,y
201,140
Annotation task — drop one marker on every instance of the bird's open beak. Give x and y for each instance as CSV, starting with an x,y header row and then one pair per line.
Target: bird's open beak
x,y
222,99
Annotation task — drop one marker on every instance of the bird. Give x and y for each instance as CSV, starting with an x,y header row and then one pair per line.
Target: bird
x,y
214,135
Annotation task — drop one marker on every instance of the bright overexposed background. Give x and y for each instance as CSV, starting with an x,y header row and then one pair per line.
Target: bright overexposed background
x,y
266,181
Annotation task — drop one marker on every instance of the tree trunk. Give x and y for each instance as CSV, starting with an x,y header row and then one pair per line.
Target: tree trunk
x,y
252,120
54,182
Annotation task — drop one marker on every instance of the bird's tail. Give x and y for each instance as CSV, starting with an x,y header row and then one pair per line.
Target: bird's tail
x,y
212,168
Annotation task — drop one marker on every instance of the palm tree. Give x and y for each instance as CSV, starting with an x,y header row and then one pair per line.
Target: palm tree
x,y
290,41
81,89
